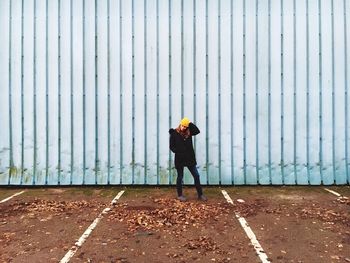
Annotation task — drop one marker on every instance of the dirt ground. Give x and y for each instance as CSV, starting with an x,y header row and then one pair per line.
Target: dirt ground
x,y
292,224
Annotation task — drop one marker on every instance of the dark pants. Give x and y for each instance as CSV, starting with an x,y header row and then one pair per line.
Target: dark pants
x,y
195,174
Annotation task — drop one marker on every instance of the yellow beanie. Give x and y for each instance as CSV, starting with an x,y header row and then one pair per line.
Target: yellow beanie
x,y
185,122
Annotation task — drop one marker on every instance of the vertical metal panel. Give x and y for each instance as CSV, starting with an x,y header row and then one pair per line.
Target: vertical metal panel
x,y
238,87
206,92
10,122
320,89
152,92
145,90
250,92
115,92
262,91
22,93
97,162
77,93
288,92
282,93
265,81
276,88
64,93
84,93
219,91
39,99
269,92
59,167
170,169
71,97
102,102
346,93
339,108
213,91
5,71
307,91
187,69
244,97
333,91
157,86
256,91
326,75
313,94
231,94
46,171
294,94
133,92
15,92
34,95
201,87
301,89
182,58
28,89
225,108
109,91
163,93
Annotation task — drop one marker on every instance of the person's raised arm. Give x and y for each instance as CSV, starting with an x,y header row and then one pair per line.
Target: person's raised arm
x,y
193,129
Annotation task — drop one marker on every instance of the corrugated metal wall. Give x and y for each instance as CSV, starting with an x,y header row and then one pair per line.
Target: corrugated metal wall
x,y
90,88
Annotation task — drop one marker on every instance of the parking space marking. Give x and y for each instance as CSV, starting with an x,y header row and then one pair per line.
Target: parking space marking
x,y
333,192
259,250
89,230
12,196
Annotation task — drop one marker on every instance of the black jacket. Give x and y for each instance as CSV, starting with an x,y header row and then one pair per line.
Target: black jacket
x,y
183,148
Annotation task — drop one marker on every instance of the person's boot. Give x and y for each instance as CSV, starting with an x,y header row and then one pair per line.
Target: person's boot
x,y
202,198
181,198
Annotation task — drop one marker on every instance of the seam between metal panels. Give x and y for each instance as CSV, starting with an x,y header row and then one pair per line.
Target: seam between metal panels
x,y
269,90
257,91
294,94
84,98
333,96
10,95
231,91
206,93
59,92
97,166
157,91
71,95
282,97
219,85
170,108
320,89
47,94
244,98
145,87
346,94
194,68
109,93
34,98
133,94
307,92
121,88
182,58
22,91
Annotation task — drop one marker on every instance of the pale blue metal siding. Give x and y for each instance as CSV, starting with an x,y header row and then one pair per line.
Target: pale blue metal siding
x,y
89,89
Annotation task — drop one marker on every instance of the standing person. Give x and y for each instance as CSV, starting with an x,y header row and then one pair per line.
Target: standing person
x,y
181,145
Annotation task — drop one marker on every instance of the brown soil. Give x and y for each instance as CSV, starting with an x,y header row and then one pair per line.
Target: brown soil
x,y
292,224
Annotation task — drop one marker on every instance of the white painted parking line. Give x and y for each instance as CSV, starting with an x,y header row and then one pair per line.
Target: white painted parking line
x,y
89,230
333,192
259,250
12,196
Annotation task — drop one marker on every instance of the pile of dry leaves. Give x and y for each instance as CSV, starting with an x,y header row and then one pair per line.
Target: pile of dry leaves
x,y
165,213
40,205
